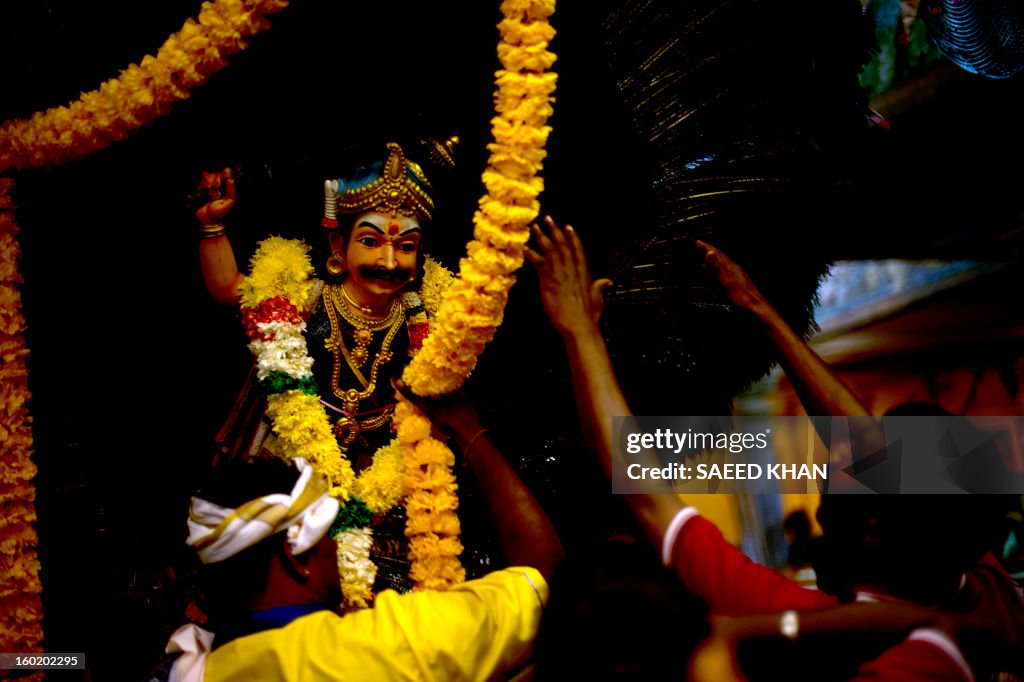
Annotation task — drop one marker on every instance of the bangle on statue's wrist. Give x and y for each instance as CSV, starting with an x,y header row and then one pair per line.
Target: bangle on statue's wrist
x,y
211,230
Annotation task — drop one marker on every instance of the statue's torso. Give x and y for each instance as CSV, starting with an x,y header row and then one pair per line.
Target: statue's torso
x,y
337,371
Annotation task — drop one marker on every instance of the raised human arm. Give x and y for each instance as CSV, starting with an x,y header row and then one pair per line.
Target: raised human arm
x,y
711,568
574,303
216,257
821,392
525,533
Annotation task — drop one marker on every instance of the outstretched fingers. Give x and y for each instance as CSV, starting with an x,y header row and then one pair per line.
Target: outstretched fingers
x,y
710,252
545,244
724,266
535,258
714,255
559,246
547,252
579,256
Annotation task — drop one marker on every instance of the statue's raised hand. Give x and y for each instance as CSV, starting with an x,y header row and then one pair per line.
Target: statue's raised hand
x,y
218,190
215,197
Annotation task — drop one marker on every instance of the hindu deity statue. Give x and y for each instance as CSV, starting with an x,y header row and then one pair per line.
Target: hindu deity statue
x,y
366,319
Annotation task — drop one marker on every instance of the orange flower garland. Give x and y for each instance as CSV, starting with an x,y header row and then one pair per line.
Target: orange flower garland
x,y
475,303
141,93
432,521
20,588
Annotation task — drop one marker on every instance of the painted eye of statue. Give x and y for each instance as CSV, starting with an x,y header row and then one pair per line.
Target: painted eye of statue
x,y
368,241
407,247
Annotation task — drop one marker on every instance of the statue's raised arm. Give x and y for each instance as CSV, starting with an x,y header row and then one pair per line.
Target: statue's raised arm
x,y
217,258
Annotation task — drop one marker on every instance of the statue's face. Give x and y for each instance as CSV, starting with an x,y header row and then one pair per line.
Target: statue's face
x,y
380,255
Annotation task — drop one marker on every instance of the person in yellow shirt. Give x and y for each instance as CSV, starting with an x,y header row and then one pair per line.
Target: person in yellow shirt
x,y
270,571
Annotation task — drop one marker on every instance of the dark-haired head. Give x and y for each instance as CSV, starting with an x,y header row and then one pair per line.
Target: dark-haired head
x,y
236,482
617,613
914,547
242,582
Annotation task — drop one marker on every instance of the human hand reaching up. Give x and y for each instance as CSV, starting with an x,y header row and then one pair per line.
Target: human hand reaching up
x,y
738,286
571,299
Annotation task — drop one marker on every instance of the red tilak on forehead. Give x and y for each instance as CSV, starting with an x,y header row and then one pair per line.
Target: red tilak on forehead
x,y
392,229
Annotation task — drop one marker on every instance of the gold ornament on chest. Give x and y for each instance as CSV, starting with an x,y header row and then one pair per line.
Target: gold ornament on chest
x,y
337,303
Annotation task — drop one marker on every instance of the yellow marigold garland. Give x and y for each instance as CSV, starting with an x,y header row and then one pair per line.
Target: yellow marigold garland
x,y
475,302
141,93
431,508
383,484
434,287
473,309
20,628
284,271
303,430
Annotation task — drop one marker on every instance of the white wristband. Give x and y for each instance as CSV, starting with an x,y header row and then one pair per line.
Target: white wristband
x,y
672,532
789,625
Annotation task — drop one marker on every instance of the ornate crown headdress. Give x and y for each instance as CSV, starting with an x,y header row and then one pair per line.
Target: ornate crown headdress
x,y
396,186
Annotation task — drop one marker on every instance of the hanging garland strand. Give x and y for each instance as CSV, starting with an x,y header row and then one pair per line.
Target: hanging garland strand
x,y
121,105
473,308
20,628
141,93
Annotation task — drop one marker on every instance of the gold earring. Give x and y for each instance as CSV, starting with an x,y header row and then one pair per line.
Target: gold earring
x,y
335,264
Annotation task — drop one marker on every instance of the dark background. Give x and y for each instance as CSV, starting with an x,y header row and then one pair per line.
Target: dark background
x,y
133,367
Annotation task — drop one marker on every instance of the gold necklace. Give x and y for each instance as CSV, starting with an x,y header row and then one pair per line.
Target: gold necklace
x,y
347,428
364,309
364,327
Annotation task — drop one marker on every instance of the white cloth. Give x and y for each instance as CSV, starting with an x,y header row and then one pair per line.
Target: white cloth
x,y
193,643
307,512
